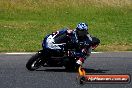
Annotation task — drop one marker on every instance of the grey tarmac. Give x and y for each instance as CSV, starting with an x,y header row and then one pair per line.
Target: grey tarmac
x,y
13,73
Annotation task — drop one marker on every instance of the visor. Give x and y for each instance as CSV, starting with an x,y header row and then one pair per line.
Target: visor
x,y
82,33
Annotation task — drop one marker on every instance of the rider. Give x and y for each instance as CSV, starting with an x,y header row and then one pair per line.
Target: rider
x,y
55,42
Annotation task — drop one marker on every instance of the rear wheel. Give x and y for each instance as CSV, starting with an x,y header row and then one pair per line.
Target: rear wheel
x,y
34,62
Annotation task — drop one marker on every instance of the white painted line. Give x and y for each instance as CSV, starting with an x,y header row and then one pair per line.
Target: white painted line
x,y
20,53
96,52
26,53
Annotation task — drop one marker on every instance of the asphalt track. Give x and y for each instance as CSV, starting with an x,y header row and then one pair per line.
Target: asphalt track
x,y
13,73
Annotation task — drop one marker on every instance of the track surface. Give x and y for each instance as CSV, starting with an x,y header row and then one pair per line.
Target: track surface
x,y
13,73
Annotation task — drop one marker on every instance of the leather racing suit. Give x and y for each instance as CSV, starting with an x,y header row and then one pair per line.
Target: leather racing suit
x,y
55,43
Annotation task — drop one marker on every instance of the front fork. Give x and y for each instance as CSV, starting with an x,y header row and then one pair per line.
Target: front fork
x,y
42,56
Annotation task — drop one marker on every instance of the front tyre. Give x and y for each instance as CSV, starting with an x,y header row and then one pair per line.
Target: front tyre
x,y
34,62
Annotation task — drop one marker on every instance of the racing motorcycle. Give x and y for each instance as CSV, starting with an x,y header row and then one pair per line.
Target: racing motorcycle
x,y
67,58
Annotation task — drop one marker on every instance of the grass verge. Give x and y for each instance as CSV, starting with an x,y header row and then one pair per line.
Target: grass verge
x,y
24,23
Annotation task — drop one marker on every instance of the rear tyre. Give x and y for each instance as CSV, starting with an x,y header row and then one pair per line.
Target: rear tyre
x,y
34,62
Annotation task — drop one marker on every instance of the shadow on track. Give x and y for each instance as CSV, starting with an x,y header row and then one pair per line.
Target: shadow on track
x,y
95,71
54,70
64,70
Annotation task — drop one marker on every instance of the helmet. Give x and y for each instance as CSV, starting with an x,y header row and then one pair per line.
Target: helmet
x,y
82,29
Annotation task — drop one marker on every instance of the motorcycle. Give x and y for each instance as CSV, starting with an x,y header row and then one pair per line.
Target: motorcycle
x,y
66,58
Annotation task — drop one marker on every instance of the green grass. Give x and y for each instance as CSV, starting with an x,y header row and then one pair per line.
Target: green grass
x,y
24,23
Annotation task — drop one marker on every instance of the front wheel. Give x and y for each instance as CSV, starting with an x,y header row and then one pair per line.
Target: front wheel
x,y
34,62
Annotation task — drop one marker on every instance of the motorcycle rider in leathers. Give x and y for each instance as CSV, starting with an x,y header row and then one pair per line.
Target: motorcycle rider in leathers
x,y
55,42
